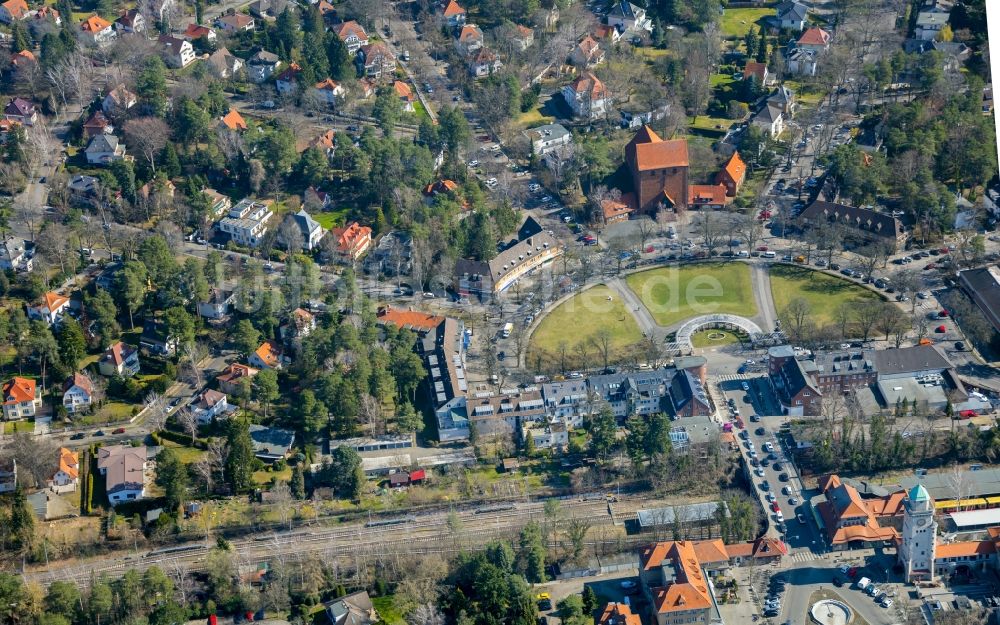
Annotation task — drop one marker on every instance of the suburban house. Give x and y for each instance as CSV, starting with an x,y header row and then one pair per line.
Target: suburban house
x,y
732,175
757,71
104,150
790,15
484,62
325,143
850,520
13,10
98,124
50,308
218,304
659,171
454,14
353,35
588,53
545,139
8,475
770,120
800,62
223,63
470,38
235,23
23,59
156,339
614,211
287,81
262,66
533,248
523,37
21,398
405,95
627,17
209,406
131,21
78,393
264,9
194,32
121,359
586,96
300,323
862,224
67,473
246,223
230,379
271,444
233,121
269,355
376,60
97,30
707,196
353,609
784,98
618,614
814,39
353,240
311,231
177,53
118,100
21,111
124,471
220,204
328,91
14,257
930,24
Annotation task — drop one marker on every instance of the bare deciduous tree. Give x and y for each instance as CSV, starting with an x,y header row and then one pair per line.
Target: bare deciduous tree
x,y
147,135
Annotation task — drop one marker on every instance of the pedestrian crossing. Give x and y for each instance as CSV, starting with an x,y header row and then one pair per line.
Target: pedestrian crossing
x,y
803,555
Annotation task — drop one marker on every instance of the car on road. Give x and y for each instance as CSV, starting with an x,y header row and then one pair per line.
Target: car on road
x,y
474,163
837,581
628,583
886,603
78,436
759,472
99,433
960,346
800,518
783,477
765,486
746,387
793,501
775,507
118,431
501,355
778,466
760,431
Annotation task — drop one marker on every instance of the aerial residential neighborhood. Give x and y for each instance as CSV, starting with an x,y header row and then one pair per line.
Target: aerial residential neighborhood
x,y
474,312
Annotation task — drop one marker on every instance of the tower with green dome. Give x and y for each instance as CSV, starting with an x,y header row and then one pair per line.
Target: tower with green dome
x,y
919,536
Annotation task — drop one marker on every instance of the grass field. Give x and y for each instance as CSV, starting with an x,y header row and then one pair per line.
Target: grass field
x,y
737,22
578,320
709,123
330,219
673,294
823,291
534,117
387,611
701,338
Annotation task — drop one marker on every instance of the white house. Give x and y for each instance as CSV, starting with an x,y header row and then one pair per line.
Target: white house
x,y
67,474
235,23
177,53
801,62
104,150
300,323
124,470
211,405
218,305
118,100
78,393
545,139
311,231
268,356
287,81
14,256
21,111
930,24
770,119
262,66
8,475
586,96
21,399
626,16
130,21
353,35
791,15
247,222
98,30
484,62
814,39
121,359
224,64
328,91
50,308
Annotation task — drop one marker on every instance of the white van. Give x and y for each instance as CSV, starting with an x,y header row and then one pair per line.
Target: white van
x,y
507,329
863,583
769,255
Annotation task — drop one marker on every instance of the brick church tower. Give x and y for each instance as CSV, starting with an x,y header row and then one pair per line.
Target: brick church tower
x,y
659,170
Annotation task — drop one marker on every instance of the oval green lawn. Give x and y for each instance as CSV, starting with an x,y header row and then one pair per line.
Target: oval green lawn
x,y
577,320
824,291
673,294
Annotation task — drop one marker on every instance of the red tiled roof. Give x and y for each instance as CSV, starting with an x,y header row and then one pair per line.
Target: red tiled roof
x,y
964,549
588,83
649,151
706,194
618,614
233,120
197,31
351,27
409,319
17,390
81,380
453,8
735,168
269,353
814,37
68,463
16,8
94,24
235,371
757,70
327,84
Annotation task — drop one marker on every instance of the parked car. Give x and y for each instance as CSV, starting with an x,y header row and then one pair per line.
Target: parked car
x,y
118,431
78,436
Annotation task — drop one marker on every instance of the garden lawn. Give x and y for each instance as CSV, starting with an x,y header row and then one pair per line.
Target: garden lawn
x,y
578,320
387,611
823,291
534,117
330,219
736,23
701,338
673,294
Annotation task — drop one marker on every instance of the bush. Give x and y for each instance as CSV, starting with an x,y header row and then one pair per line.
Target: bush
x,y
737,110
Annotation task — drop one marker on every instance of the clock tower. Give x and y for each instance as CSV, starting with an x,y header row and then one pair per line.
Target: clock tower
x,y
919,537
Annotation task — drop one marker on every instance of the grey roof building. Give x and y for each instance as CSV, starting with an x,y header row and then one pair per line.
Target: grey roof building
x,y
271,444
983,286
864,224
